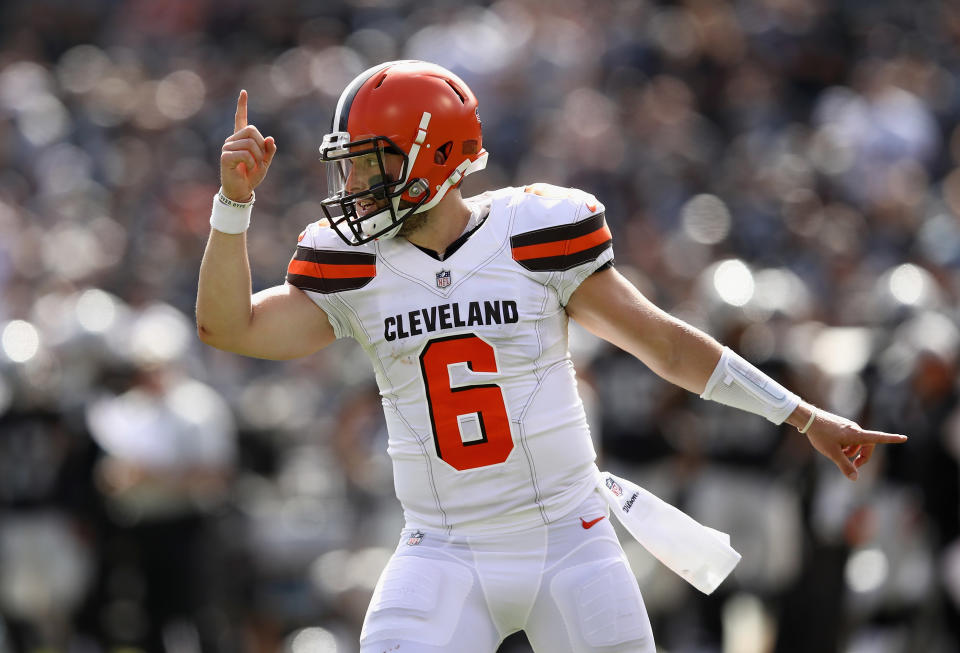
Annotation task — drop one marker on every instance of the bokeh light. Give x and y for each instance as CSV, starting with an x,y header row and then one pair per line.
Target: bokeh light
x,y
96,310
160,334
733,282
180,94
313,640
909,284
842,350
20,341
706,219
81,66
866,570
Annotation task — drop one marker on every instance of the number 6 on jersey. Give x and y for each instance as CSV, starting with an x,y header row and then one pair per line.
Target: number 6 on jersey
x,y
448,406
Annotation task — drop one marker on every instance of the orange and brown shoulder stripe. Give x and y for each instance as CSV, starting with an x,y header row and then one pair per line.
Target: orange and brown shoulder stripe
x,y
563,247
329,270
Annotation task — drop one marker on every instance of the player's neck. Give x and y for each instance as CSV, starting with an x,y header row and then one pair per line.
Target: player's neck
x,y
444,223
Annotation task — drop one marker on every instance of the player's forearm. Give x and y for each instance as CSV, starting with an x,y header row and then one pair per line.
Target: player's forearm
x,y
689,355
223,294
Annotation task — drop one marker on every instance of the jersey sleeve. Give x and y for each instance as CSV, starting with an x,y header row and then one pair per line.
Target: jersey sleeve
x,y
561,233
323,266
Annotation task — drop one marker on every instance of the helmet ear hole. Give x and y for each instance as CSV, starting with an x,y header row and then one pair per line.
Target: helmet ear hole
x,y
443,153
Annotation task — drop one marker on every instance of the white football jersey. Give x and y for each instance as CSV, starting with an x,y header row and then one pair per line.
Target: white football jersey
x,y
486,429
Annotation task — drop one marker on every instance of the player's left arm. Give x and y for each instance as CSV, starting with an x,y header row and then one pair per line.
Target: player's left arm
x,y
610,307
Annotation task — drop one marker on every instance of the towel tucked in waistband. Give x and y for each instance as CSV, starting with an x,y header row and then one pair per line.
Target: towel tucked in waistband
x,y
699,554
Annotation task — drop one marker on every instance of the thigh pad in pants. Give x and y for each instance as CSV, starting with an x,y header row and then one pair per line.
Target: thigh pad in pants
x,y
602,607
417,599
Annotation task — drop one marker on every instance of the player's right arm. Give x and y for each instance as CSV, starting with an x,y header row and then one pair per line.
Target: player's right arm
x,y
278,323
612,308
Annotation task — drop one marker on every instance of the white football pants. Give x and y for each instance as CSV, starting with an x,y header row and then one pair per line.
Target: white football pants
x,y
566,584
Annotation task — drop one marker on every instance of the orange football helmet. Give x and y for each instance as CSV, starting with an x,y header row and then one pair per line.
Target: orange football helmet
x,y
418,110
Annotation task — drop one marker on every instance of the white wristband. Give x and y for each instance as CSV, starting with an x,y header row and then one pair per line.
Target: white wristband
x,y
231,217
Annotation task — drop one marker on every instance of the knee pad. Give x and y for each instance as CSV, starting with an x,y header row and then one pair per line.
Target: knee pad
x,y
417,599
602,607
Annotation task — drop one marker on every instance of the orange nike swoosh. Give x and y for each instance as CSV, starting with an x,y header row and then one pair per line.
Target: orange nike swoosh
x,y
589,524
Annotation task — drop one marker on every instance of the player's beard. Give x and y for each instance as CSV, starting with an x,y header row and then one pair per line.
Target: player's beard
x,y
412,224
409,225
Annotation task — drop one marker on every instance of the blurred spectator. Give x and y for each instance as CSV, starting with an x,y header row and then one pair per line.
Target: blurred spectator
x,y
168,444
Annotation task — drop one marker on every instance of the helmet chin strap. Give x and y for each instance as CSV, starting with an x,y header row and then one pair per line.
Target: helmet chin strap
x,y
465,168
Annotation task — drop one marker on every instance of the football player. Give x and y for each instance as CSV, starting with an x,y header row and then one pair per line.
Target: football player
x,y
462,305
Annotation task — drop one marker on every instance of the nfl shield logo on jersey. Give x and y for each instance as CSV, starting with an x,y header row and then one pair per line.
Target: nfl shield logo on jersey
x,y
415,538
443,278
614,486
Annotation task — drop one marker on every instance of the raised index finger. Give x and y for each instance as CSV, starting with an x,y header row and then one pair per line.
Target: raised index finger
x,y
240,119
879,437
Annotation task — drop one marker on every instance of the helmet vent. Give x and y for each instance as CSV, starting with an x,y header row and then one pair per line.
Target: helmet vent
x,y
380,81
457,91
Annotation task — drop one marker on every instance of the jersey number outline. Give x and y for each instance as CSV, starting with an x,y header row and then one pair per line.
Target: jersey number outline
x,y
446,404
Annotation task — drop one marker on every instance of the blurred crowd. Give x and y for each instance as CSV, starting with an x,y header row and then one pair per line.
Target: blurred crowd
x,y
784,174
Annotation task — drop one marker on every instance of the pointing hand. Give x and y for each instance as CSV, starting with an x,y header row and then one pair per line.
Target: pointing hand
x,y
845,443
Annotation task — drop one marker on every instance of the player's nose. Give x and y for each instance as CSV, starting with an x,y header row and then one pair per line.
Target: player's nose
x,y
357,183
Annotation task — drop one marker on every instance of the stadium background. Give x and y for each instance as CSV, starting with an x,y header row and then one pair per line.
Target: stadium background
x,y
782,173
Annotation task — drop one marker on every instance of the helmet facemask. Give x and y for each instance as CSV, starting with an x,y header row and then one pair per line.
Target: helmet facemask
x,y
366,189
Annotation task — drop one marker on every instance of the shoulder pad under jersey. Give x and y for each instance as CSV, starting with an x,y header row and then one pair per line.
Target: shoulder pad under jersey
x,y
557,228
324,263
